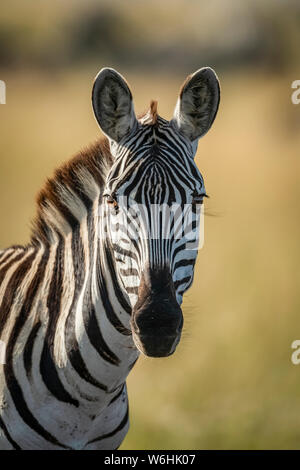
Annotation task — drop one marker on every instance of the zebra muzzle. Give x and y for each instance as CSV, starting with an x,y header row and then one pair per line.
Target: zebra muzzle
x,y
157,319
156,328
156,334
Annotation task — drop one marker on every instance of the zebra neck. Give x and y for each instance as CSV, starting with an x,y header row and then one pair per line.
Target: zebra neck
x,y
67,200
94,314
88,318
92,345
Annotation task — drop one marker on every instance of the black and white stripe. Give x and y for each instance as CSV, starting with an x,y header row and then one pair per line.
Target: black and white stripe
x,y
66,299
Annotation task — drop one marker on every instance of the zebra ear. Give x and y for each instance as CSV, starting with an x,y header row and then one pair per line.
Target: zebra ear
x,y
197,104
112,104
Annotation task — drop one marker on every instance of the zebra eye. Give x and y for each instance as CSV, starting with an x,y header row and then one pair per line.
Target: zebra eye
x,y
198,198
111,201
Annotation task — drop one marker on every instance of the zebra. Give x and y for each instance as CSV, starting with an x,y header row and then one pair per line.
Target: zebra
x,y
84,298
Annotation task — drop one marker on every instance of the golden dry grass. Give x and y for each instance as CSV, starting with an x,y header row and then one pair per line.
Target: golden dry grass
x,y
231,383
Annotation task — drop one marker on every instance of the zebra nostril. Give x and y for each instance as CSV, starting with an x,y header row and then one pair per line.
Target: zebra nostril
x,y
155,320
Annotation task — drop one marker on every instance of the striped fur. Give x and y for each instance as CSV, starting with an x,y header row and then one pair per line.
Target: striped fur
x,y
66,299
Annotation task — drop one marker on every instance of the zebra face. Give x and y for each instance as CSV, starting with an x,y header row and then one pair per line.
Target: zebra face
x,y
152,201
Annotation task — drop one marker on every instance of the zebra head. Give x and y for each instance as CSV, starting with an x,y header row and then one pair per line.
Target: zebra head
x,y
152,197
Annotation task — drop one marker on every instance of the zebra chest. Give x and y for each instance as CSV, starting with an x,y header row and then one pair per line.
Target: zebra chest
x,y
80,429
34,418
54,426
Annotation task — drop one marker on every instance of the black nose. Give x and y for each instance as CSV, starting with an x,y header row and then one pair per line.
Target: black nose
x,y
157,320
157,346
163,318
157,328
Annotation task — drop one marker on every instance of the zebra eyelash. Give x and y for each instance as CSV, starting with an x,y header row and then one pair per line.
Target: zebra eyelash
x,y
111,200
110,195
198,198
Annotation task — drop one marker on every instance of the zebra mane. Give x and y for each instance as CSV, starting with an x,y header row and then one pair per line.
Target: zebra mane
x,y
65,198
81,178
150,116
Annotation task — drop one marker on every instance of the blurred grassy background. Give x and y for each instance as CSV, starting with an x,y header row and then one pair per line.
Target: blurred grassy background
x,y
231,383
